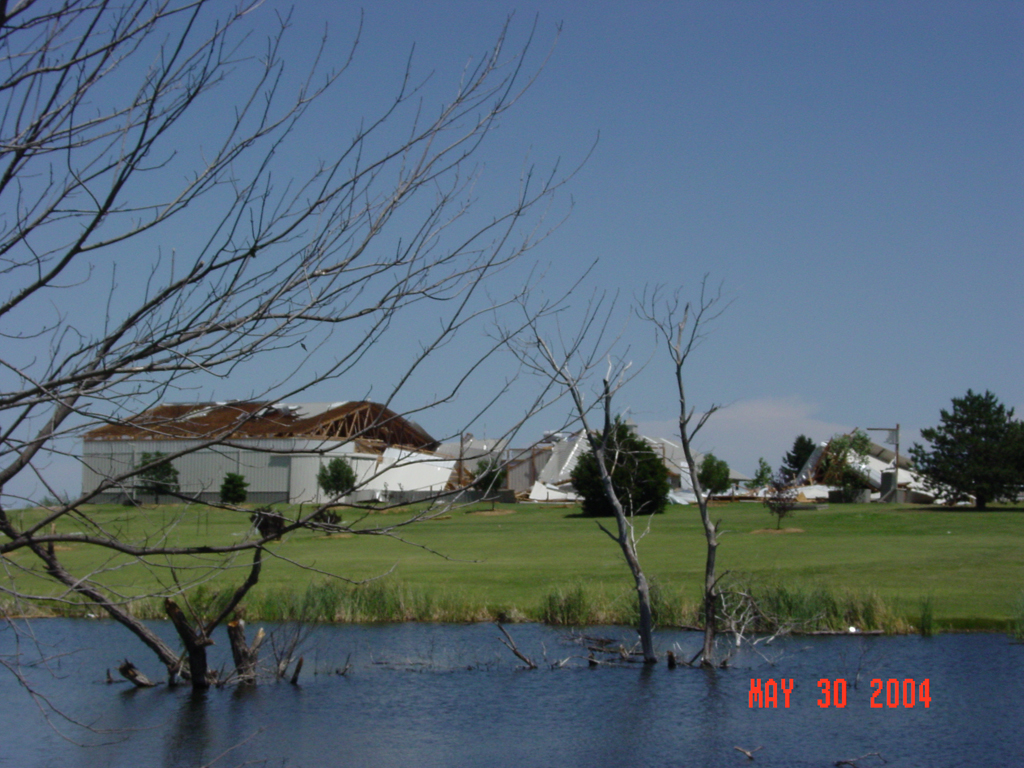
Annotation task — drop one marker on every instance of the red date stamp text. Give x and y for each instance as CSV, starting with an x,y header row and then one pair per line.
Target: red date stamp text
x,y
891,693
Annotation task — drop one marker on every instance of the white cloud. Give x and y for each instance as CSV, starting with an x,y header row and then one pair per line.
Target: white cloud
x,y
746,430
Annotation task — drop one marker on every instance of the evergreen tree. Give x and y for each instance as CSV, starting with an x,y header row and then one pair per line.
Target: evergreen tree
x,y
713,475
160,478
490,475
232,490
763,477
794,461
336,477
638,476
977,451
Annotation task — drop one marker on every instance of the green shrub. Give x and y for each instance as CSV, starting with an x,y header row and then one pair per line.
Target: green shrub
x,y
713,475
232,490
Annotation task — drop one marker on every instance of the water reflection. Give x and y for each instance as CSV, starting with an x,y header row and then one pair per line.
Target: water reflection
x,y
713,712
189,739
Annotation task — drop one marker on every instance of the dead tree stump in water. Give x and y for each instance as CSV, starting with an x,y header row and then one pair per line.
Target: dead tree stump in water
x,y
244,655
130,673
195,642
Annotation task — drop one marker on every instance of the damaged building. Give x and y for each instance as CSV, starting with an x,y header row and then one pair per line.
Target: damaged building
x,y
880,469
278,447
544,470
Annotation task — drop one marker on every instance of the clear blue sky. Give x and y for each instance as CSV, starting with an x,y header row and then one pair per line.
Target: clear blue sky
x,y
851,173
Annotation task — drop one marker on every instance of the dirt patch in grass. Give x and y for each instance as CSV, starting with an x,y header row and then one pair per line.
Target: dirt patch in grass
x,y
493,512
779,530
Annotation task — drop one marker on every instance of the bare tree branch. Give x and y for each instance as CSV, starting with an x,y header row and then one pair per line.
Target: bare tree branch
x,y
681,336
141,257
567,369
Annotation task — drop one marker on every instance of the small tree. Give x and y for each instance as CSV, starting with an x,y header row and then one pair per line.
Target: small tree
x,y
714,475
794,461
232,490
336,478
638,475
763,477
841,465
976,451
158,478
780,498
682,333
490,475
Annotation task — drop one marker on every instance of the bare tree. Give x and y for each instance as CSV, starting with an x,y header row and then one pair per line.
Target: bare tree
x,y
780,497
681,335
107,156
567,367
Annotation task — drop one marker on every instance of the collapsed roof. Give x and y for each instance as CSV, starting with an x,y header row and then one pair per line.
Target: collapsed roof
x,y
878,462
371,424
879,459
554,482
473,449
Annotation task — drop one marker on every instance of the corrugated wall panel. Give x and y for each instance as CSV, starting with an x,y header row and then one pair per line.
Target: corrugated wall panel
x,y
366,468
524,467
286,473
265,472
100,462
105,459
304,488
203,471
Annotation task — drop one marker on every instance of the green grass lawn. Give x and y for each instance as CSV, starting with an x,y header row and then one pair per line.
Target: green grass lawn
x,y
969,564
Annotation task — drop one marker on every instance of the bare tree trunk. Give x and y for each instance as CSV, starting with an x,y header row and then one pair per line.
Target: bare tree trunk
x,y
539,357
132,675
245,656
624,528
196,639
626,544
298,670
646,627
56,570
195,642
681,342
710,602
710,592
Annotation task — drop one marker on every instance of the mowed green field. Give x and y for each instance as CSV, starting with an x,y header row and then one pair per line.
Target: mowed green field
x,y
969,564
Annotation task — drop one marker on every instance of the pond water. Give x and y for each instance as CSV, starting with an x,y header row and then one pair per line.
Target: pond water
x,y
442,695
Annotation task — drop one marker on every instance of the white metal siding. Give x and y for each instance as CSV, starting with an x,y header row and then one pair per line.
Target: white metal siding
x,y
284,467
305,467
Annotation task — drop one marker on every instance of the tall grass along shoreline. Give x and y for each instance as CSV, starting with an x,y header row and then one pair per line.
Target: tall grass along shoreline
x,y
759,608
